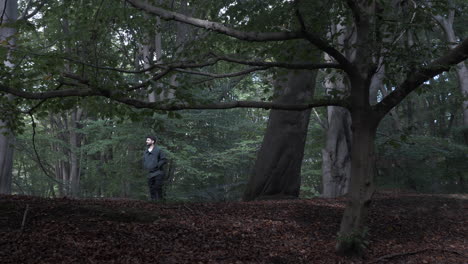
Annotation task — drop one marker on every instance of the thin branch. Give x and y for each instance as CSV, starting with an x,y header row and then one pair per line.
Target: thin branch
x,y
37,154
24,217
226,75
150,80
215,26
179,66
26,10
298,66
214,60
418,77
26,16
50,94
248,36
322,123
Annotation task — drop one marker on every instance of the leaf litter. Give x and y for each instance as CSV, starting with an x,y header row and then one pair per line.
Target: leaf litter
x,y
403,228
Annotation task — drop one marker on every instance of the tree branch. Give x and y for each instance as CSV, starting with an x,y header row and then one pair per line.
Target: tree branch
x,y
297,66
233,104
418,77
315,40
215,26
248,36
227,75
152,79
171,106
26,16
82,92
343,63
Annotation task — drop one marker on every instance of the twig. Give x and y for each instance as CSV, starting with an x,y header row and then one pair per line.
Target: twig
x,y
24,217
189,209
390,256
193,212
37,154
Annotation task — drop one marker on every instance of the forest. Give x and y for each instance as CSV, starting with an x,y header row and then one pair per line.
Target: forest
x,y
337,115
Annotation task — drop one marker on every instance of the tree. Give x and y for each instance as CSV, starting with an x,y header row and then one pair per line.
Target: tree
x,y
366,17
336,155
446,23
278,165
9,11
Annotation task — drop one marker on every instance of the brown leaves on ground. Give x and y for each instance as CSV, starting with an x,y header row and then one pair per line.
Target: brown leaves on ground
x,y
402,229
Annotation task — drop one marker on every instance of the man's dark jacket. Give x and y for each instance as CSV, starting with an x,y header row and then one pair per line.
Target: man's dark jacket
x,y
154,161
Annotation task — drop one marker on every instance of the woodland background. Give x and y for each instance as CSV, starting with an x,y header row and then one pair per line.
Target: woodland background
x,y
256,99
92,147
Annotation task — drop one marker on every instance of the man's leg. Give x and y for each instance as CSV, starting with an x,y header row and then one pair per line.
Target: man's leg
x,y
159,187
152,188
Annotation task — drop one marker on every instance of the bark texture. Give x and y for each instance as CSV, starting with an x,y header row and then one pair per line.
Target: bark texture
x,y
7,141
9,11
278,166
336,156
352,229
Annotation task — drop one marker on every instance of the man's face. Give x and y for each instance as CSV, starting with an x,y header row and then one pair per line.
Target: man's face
x,y
149,142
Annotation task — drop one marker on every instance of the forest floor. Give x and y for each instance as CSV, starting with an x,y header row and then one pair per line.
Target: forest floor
x,y
403,228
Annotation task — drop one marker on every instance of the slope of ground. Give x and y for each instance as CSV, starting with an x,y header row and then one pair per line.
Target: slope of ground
x,y
402,229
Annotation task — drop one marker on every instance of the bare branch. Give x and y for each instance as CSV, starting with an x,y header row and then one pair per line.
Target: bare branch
x,y
418,77
215,26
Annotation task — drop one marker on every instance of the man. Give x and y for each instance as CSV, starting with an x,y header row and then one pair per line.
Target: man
x,y
153,161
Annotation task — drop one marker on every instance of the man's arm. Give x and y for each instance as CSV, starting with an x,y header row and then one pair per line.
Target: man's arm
x,y
162,159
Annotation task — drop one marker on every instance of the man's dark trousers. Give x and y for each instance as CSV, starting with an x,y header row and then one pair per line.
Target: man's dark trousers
x,y
155,184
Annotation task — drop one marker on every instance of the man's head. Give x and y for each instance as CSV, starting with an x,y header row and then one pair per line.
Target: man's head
x,y
150,140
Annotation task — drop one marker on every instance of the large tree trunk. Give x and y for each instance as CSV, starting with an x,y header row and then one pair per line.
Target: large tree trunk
x,y
278,166
9,11
7,140
336,156
352,229
75,145
364,126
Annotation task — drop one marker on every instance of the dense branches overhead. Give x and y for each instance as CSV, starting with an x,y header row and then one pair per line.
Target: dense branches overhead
x,y
106,80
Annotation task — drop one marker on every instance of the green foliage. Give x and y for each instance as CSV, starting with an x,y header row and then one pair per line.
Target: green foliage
x,y
428,153
210,152
210,155
423,163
